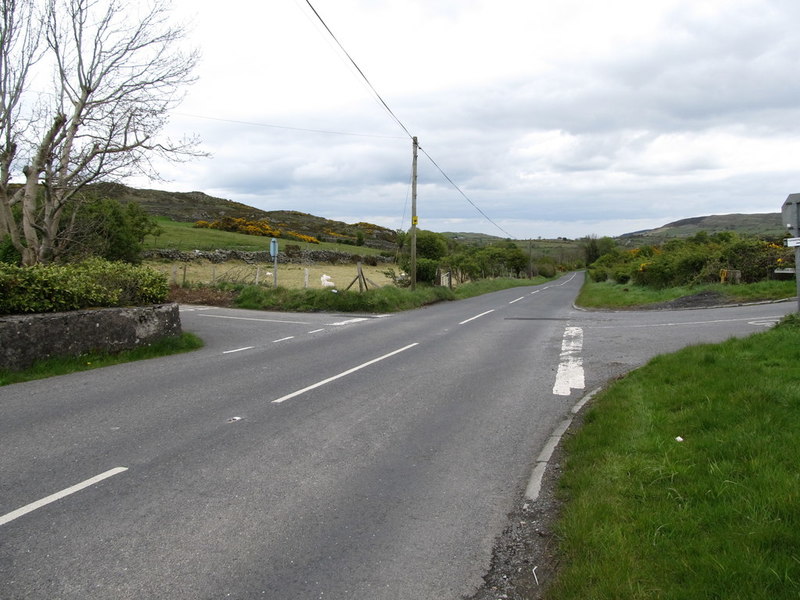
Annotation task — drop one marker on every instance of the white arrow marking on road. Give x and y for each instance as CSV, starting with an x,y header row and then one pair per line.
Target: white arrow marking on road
x,y
570,367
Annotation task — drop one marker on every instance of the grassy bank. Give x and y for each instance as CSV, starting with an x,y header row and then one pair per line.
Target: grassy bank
x,y
61,366
714,514
186,237
614,295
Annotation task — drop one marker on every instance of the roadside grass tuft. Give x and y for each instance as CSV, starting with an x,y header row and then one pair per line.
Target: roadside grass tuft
x,y
716,515
50,367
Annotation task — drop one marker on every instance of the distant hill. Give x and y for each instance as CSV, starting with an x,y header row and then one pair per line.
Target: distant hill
x,y
188,207
474,239
764,225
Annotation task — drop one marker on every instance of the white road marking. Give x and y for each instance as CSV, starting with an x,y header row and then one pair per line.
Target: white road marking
x,y
342,374
570,367
58,495
567,281
255,319
349,321
239,350
289,337
316,331
676,324
517,300
477,316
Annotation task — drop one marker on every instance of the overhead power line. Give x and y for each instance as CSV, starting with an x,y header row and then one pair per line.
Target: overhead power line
x,y
325,131
460,191
360,72
397,119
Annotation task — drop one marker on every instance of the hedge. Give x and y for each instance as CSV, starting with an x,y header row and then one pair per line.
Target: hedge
x,y
94,283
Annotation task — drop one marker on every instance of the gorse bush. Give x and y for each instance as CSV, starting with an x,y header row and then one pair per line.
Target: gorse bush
x,y
89,284
695,260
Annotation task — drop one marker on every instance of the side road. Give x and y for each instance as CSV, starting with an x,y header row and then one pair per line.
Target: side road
x,y
528,556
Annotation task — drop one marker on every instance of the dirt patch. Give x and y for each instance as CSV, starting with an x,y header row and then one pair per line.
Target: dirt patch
x,y
201,295
705,299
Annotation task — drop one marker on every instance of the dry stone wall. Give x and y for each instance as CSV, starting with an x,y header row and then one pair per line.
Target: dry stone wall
x,y
301,257
25,339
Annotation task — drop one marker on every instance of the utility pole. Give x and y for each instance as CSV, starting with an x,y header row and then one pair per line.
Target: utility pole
x,y
414,220
790,211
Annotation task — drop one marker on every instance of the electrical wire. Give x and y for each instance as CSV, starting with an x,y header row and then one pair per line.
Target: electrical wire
x,y
360,72
397,119
325,131
460,191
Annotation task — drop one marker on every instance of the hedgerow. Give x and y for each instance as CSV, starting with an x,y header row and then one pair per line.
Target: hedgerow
x,y
92,283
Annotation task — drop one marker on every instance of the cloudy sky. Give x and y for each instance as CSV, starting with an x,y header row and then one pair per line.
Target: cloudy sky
x,y
554,117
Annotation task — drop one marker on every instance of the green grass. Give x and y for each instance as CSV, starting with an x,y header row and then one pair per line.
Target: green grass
x,y
385,299
61,366
184,236
486,286
716,515
613,295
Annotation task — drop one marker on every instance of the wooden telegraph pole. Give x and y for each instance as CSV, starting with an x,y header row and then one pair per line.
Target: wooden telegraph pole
x,y
414,219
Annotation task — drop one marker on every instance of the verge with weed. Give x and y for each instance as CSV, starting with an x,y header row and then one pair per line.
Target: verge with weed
x,y
388,298
607,294
50,367
683,480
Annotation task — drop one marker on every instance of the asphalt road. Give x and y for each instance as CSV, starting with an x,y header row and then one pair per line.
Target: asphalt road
x,y
309,456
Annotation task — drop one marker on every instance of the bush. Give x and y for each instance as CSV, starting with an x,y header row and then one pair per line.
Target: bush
x,y
90,284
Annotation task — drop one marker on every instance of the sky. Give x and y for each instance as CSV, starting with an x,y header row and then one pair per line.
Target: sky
x,y
555,118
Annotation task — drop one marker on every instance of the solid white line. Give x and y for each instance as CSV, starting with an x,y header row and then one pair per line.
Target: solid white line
x,y
477,316
239,350
342,374
291,337
254,319
517,300
316,331
58,495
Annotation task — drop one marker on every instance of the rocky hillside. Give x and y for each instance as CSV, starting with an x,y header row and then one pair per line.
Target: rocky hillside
x,y
764,225
189,207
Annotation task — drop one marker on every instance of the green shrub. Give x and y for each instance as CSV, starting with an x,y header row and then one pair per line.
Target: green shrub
x,y
89,284
598,274
8,253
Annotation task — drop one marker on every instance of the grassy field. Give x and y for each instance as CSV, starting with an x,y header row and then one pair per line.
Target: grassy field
x,y
613,295
289,275
683,481
184,236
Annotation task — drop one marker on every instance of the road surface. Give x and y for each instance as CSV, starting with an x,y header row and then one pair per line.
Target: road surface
x,y
309,455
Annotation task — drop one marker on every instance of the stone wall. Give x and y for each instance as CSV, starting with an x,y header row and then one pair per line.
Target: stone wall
x,y
301,257
25,339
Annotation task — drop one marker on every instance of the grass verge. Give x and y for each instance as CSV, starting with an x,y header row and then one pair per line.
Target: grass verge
x,y
381,300
716,515
614,295
50,367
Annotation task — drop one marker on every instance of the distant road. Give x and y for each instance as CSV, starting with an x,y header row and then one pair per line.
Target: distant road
x,y
309,455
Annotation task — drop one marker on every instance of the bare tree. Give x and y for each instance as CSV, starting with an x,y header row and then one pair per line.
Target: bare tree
x,y
118,71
